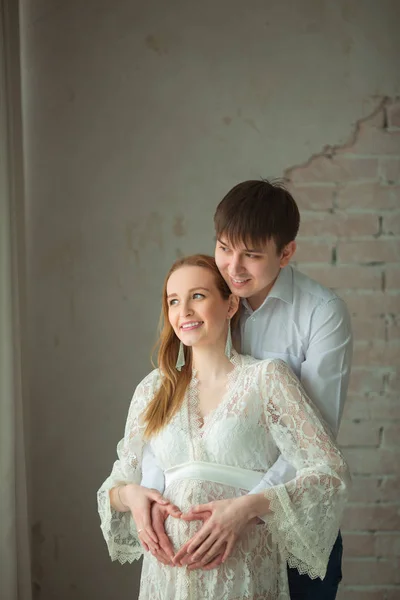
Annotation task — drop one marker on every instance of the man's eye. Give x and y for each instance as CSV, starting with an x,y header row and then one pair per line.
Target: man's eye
x,y
224,248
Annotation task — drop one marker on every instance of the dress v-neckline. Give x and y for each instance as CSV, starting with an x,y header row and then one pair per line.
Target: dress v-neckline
x,y
199,422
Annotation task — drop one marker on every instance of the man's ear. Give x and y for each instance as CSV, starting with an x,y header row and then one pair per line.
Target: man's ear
x,y
233,305
287,253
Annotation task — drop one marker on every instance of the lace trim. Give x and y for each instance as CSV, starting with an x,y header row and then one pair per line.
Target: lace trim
x,y
119,531
283,524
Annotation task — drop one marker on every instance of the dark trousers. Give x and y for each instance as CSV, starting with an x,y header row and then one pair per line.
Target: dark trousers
x,y
304,588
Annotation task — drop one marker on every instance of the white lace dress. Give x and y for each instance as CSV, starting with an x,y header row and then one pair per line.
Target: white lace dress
x,y
264,412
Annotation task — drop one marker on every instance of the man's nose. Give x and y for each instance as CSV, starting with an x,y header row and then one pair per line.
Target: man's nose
x,y
235,265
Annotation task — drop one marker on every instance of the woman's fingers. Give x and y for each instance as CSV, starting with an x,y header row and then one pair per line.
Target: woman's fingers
x,y
162,557
145,537
206,545
149,531
199,516
215,562
229,547
181,554
198,508
200,537
211,553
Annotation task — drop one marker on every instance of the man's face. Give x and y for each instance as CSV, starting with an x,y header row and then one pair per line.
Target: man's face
x,y
251,272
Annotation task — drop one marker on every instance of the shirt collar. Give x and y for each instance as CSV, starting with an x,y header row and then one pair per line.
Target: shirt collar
x,y
282,289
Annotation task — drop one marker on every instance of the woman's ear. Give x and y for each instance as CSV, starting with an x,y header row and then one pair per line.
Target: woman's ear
x,y
233,305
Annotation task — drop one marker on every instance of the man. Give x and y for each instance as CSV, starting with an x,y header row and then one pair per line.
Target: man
x,y
284,314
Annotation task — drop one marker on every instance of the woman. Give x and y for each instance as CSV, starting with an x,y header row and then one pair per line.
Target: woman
x,y
215,419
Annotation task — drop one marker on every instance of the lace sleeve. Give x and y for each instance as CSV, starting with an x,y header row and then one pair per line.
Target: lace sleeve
x,y
119,528
306,511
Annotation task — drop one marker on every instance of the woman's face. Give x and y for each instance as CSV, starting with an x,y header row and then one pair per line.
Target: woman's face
x,y
196,310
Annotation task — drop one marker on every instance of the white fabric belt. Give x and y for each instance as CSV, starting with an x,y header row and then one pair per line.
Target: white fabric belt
x,y
233,476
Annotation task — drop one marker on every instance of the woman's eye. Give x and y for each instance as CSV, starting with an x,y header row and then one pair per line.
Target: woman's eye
x,y
173,302
223,248
198,295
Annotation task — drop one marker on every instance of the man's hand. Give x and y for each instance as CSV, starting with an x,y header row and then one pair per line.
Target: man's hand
x,y
139,500
159,514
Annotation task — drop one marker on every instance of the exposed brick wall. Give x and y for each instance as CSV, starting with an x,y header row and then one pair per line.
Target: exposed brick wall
x,y
349,197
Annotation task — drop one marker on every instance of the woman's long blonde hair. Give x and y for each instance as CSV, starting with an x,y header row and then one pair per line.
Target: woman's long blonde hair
x,y
170,395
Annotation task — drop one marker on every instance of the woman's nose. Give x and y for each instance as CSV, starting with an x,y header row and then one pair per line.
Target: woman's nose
x,y
186,309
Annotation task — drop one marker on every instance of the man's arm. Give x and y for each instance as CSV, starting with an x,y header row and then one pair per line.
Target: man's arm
x,y
324,374
152,474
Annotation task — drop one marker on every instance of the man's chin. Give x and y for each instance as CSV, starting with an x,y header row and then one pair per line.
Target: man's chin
x,y
243,292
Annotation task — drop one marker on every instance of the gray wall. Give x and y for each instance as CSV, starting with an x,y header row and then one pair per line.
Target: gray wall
x,y
138,117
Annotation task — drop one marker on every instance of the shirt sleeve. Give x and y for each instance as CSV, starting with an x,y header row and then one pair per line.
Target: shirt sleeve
x,y
119,528
152,474
325,371
305,513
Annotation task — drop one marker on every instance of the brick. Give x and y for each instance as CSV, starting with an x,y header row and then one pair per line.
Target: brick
x,y
373,304
313,197
384,407
367,461
366,489
369,251
373,141
369,328
373,571
358,544
374,517
393,114
390,170
391,224
313,252
390,489
357,407
387,544
338,224
376,119
391,435
365,380
358,433
392,277
336,169
393,329
368,195
376,353
392,381
346,277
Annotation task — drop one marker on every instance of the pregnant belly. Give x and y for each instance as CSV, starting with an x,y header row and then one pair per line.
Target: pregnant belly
x,y
186,494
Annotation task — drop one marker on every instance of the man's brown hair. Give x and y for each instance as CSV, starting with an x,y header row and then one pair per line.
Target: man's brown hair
x,y
256,211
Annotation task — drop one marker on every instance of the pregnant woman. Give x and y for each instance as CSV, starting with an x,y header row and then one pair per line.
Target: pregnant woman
x,y
216,421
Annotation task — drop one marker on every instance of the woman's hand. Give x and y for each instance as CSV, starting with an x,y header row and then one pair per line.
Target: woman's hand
x,y
219,533
139,500
159,514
